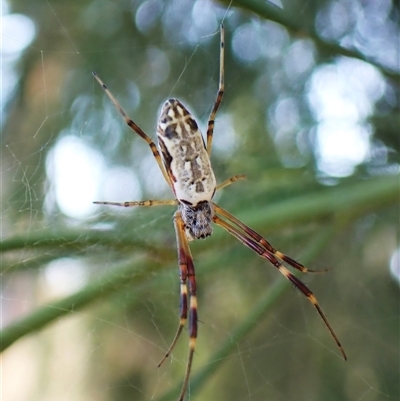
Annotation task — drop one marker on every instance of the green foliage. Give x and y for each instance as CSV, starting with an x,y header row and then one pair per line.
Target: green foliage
x,y
257,340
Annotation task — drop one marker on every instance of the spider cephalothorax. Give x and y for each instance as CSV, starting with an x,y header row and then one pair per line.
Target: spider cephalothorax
x,y
197,219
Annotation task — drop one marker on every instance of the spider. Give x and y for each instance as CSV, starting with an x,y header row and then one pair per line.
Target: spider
x,y
184,160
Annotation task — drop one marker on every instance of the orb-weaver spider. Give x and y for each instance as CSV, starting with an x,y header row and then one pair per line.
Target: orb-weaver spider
x,y
184,160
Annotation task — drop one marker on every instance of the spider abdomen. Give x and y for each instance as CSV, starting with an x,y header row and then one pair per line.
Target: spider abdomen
x,y
184,154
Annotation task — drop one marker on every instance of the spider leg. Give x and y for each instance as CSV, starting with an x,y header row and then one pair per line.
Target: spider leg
x,y
220,93
230,181
188,282
135,128
146,203
246,236
258,238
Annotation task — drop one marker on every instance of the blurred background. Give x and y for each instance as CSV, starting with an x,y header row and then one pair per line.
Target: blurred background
x,y
90,294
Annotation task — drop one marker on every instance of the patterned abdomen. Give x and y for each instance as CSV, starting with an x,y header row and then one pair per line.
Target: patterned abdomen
x,y
184,154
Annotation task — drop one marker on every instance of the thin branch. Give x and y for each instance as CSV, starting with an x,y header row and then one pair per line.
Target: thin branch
x,y
272,12
115,280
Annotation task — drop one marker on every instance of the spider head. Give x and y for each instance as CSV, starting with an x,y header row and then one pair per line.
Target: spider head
x,y
197,219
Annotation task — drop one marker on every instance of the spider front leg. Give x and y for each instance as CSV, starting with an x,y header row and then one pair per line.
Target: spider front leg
x,y
262,247
258,238
187,281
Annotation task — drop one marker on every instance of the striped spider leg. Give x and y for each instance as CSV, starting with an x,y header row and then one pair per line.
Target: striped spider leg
x,y
260,245
184,160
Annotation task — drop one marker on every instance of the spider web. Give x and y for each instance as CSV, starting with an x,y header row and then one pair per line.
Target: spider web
x,y
98,287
